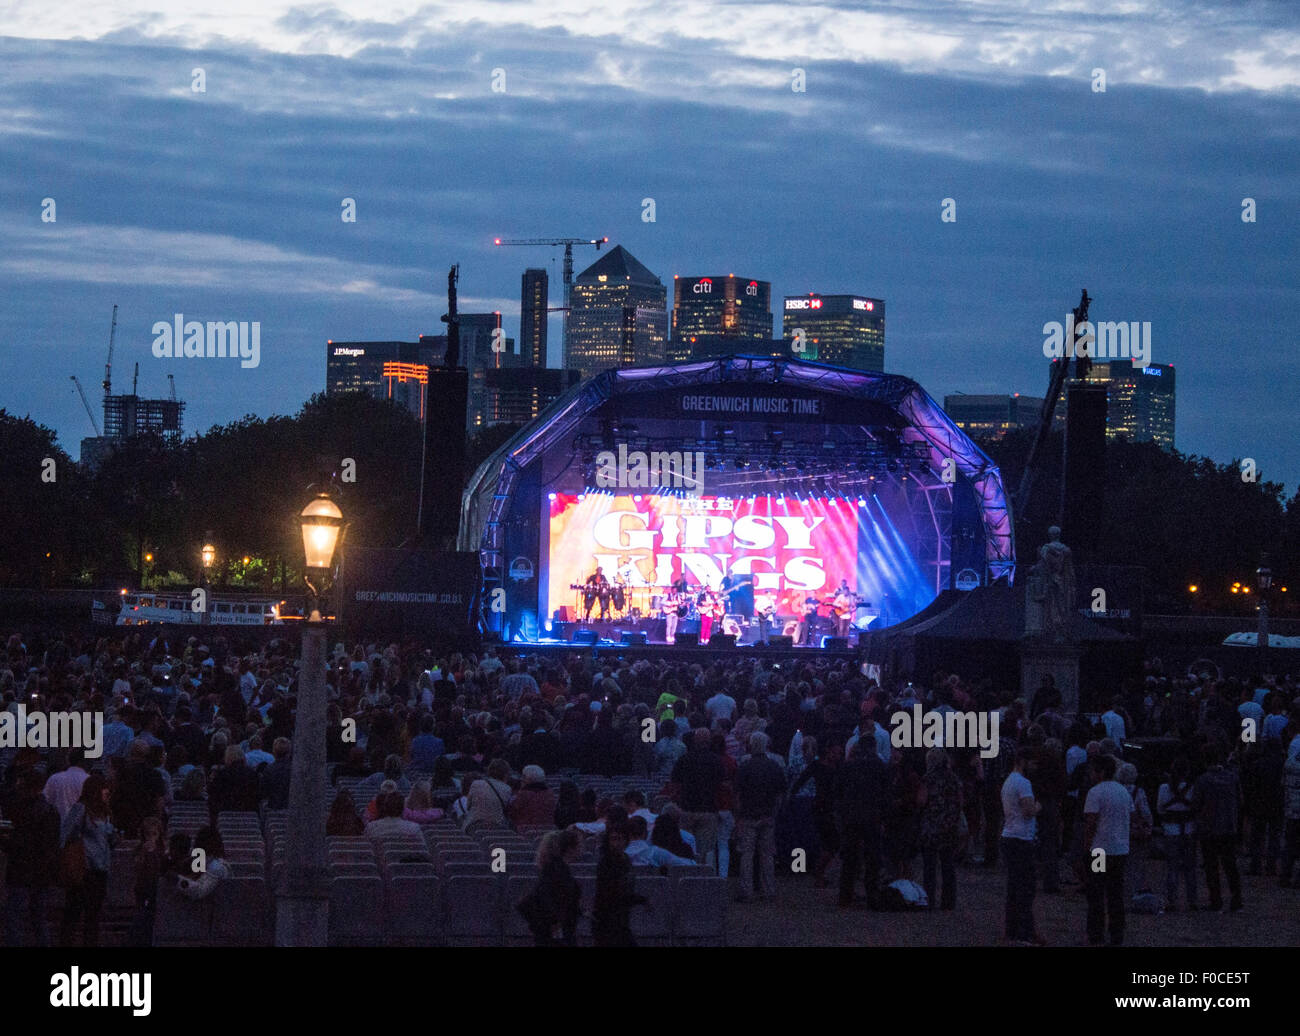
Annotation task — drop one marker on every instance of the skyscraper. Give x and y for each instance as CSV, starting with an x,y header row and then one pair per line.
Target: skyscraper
x,y
848,330
717,316
1139,400
533,303
384,370
518,394
991,417
618,315
478,334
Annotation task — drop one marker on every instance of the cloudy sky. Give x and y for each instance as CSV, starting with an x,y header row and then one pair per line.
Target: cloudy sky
x,y
225,204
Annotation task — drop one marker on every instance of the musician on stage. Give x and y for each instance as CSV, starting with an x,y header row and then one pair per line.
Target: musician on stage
x,y
710,605
843,608
675,609
764,611
597,588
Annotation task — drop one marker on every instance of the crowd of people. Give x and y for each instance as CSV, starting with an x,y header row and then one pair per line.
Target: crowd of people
x,y
761,764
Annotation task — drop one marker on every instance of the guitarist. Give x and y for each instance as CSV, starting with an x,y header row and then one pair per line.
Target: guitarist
x,y
843,607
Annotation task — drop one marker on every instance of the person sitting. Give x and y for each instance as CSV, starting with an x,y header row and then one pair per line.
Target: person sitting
x,y
419,805
233,787
534,803
343,820
206,869
390,821
641,851
489,798
668,835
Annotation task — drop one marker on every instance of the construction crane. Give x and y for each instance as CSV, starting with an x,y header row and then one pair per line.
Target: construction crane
x,y
86,403
108,364
568,243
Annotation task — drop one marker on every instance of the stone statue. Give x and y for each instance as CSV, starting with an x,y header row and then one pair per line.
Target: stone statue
x,y
1051,591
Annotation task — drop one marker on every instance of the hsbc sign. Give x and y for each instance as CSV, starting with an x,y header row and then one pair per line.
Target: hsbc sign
x,y
803,303
866,304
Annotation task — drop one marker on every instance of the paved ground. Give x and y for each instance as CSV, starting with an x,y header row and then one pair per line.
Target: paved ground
x,y
802,915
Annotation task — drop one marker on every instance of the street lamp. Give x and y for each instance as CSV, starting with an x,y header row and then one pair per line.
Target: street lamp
x,y
302,901
322,528
208,553
1264,580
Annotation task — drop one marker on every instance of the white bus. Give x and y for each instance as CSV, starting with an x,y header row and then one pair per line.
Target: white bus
x,y
143,607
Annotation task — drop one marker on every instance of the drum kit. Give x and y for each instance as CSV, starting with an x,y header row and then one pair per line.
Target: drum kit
x,y
617,595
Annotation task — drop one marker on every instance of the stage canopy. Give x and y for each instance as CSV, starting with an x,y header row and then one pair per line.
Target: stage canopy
x,y
801,468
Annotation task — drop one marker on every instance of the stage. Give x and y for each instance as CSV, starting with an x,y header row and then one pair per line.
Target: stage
x,y
654,631
732,488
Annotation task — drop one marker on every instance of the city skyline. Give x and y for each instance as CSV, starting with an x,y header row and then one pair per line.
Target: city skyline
x,y
232,210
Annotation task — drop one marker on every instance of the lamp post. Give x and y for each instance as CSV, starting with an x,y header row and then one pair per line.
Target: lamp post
x,y
1264,580
302,900
208,553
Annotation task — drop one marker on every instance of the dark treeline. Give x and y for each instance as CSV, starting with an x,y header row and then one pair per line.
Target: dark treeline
x,y
1185,519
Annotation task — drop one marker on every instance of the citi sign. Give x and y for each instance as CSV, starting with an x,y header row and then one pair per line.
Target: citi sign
x,y
704,286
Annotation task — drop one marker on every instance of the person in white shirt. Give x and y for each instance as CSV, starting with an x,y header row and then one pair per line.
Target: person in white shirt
x,y
1019,829
390,822
1114,722
1106,814
63,789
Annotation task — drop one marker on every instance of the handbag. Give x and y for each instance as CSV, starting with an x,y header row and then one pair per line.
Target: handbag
x,y
72,860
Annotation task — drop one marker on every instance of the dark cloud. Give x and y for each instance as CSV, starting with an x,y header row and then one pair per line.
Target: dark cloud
x,y
226,205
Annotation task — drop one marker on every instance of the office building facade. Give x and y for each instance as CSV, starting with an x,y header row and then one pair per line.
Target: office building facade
x,y
533,304
991,417
847,330
718,316
478,333
618,316
1139,400
517,395
384,370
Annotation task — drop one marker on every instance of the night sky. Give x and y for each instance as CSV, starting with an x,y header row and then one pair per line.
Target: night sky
x,y
225,205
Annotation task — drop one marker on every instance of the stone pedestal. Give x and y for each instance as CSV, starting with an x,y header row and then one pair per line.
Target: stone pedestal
x,y
1040,658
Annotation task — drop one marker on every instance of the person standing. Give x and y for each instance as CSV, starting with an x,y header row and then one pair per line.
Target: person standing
x,y
860,790
760,785
1019,830
1106,814
611,921
32,848
87,823
1217,801
940,828
553,907
1174,806
1291,805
